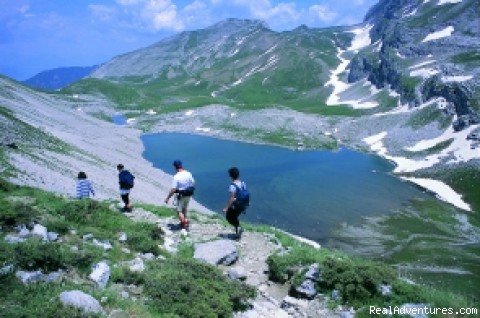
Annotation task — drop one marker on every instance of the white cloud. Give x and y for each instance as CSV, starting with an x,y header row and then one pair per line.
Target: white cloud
x,y
323,13
264,10
197,13
152,14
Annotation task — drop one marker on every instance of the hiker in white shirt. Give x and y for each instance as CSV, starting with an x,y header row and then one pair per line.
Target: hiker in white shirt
x,y
183,186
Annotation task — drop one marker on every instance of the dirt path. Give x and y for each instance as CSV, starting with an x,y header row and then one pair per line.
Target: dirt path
x,y
253,250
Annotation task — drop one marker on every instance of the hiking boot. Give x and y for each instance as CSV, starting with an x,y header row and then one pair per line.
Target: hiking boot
x,y
239,233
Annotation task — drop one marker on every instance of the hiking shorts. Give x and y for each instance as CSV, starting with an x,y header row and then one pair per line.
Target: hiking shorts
x,y
182,204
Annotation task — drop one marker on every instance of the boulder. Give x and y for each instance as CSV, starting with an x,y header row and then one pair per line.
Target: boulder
x,y
7,269
23,232
237,273
100,274
289,303
13,239
53,277
122,237
346,314
78,299
146,256
87,237
29,277
216,252
41,231
313,273
52,236
305,290
103,244
136,265
385,290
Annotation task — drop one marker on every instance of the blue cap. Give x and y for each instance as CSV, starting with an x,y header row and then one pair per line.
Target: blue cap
x,y
177,164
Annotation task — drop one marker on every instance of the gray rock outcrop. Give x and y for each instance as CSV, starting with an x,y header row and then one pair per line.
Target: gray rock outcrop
x,y
78,299
100,274
216,252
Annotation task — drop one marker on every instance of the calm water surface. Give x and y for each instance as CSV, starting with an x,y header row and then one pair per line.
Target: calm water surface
x,y
307,193
119,119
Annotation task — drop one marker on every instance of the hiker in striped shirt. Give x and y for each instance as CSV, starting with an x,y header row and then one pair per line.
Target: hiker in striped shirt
x,y
84,186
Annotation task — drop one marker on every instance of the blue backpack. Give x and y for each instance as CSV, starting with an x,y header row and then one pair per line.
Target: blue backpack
x,y
126,180
242,196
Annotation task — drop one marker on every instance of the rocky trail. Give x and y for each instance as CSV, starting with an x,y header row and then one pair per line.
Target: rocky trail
x,y
249,263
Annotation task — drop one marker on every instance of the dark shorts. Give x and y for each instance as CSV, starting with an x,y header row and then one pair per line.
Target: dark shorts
x,y
232,215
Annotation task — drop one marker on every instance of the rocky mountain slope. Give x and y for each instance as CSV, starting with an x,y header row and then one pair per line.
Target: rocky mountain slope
x,y
426,49
59,77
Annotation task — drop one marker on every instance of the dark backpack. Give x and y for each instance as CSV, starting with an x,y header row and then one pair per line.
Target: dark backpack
x,y
126,179
242,196
188,192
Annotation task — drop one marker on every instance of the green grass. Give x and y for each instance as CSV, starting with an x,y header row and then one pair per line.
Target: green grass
x,y
429,115
297,83
177,286
36,300
430,151
466,180
471,58
357,279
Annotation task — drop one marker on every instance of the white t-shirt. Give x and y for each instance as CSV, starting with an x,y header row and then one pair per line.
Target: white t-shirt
x,y
182,180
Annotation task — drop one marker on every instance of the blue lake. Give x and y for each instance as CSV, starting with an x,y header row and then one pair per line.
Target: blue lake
x,y
119,119
307,193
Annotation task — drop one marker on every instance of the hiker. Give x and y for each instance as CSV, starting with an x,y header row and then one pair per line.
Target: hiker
x,y
125,180
183,186
238,200
84,186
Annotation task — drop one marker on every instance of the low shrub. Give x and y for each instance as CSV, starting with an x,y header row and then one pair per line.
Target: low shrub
x,y
283,266
126,276
141,242
58,225
17,213
34,254
188,288
6,186
356,280
82,211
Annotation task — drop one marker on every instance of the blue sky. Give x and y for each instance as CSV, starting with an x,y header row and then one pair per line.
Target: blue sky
x,y
37,35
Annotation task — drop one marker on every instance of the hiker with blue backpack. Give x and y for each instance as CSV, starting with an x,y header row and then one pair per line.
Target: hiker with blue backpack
x,y
238,200
125,180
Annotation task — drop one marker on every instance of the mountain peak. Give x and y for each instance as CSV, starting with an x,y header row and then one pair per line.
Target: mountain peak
x,y
239,23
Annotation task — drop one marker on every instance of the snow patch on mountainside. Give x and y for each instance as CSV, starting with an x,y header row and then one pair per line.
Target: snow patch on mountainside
x,y
458,151
439,34
361,40
443,191
457,78
424,72
441,2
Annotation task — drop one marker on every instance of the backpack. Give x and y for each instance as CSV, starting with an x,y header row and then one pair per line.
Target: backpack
x,y
127,179
242,196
